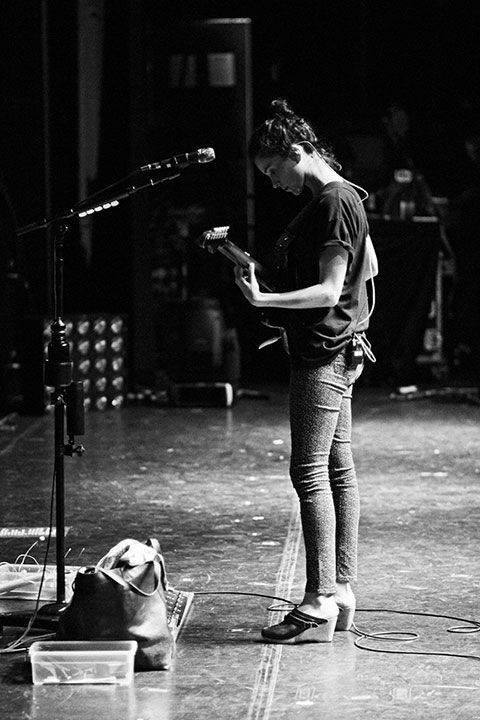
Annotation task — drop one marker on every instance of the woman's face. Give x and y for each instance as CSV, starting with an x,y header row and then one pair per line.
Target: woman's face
x,y
284,173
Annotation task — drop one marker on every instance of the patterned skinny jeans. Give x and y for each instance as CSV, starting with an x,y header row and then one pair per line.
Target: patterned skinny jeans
x,y
323,472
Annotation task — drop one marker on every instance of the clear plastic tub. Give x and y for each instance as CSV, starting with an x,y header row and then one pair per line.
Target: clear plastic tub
x,y
22,581
81,662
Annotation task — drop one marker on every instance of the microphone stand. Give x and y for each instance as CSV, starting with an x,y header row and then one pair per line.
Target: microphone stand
x,y
67,394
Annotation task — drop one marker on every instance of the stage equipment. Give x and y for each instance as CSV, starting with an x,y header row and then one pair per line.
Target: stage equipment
x,y
407,327
22,581
58,365
98,348
202,394
202,155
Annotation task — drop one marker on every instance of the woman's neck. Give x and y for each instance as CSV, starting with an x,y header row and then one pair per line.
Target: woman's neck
x,y
320,175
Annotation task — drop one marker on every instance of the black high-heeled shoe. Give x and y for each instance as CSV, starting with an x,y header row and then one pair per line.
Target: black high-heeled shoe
x,y
298,627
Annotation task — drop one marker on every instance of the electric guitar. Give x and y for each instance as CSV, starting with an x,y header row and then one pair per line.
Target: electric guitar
x,y
216,240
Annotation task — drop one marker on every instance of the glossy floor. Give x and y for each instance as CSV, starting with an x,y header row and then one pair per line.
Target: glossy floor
x,y
212,485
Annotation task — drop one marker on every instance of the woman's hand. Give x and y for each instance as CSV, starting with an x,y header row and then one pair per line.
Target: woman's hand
x,y
248,284
326,293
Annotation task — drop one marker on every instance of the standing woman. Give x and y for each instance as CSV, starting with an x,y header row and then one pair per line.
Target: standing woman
x,y
325,258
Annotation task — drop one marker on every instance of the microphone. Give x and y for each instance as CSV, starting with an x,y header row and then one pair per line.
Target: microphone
x,y
202,155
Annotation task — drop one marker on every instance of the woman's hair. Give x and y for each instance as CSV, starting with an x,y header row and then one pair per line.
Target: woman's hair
x,y
276,135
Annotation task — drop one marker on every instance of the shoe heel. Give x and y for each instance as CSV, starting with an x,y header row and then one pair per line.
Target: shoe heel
x,y
345,618
322,633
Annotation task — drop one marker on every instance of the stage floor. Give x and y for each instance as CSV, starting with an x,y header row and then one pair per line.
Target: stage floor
x,y
212,485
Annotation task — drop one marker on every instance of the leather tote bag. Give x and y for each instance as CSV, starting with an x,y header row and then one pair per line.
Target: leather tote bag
x,y
122,602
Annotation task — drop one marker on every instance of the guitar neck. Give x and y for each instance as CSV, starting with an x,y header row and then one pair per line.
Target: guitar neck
x,y
216,239
242,258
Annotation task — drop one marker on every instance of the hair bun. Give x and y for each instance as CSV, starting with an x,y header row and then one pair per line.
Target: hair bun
x,y
281,107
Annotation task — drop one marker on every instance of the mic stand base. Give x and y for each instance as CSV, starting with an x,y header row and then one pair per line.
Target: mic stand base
x,y
22,619
52,610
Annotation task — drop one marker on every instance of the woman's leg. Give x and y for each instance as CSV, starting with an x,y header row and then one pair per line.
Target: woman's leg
x,y
343,483
316,399
323,475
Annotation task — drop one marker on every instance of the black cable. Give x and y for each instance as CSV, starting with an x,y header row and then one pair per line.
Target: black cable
x,y
14,646
401,636
272,608
473,627
458,629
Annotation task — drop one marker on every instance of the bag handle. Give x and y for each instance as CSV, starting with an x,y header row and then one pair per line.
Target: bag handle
x,y
157,564
125,583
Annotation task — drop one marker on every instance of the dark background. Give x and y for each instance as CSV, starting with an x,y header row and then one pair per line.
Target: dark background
x,y
338,64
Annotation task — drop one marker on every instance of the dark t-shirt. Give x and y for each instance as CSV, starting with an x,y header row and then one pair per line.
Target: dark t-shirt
x,y
335,217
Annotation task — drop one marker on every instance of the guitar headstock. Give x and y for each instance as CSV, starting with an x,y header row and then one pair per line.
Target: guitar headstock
x,y
211,239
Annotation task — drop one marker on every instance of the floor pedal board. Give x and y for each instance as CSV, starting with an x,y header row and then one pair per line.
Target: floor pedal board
x,y
179,603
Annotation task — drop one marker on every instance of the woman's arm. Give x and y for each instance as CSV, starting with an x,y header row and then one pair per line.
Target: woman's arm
x,y
326,293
